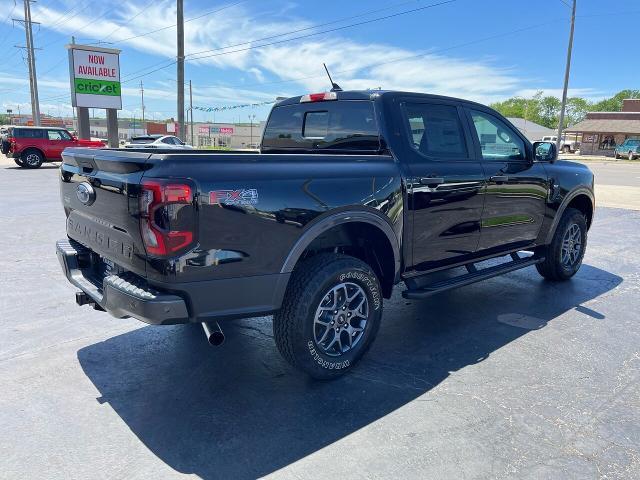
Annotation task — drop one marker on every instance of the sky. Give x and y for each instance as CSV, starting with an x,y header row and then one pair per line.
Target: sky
x,y
252,51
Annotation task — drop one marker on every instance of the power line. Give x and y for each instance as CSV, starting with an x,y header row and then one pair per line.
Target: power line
x,y
175,24
357,24
399,59
386,17
82,27
6,20
371,65
142,10
369,12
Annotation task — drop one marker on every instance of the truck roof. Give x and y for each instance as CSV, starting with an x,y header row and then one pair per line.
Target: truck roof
x,y
372,94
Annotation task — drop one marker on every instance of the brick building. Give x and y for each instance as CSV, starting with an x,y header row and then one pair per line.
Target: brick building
x,y
602,131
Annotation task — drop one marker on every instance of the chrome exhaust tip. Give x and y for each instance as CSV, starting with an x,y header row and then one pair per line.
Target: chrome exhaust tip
x,y
213,332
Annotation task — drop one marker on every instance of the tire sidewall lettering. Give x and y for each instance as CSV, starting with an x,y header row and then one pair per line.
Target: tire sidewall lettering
x,y
325,363
366,280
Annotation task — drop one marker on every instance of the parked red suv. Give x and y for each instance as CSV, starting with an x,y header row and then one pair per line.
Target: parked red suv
x,y
31,146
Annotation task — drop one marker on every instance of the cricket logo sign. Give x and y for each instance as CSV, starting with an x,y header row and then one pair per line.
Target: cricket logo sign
x,y
95,77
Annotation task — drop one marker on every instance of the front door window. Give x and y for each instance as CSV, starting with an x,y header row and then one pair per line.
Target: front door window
x,y
497,140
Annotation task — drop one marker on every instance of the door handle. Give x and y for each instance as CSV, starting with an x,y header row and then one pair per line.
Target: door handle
x,y
431,181
499,178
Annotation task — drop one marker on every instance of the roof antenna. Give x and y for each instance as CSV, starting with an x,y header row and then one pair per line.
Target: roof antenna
x,y
334,86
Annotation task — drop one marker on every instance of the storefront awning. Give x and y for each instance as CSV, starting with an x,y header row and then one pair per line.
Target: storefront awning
x,y
606,126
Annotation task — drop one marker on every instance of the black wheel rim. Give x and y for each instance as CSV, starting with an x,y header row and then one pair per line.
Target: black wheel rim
x,y
571,246
341,318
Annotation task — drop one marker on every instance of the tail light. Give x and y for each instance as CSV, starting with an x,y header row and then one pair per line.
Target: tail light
x,y
167,216
319,97
12,142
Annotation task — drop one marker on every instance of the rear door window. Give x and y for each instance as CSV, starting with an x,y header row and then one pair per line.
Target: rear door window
x,y
345,125
435,130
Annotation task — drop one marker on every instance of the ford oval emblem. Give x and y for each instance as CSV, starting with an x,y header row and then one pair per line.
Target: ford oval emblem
x,y
85,193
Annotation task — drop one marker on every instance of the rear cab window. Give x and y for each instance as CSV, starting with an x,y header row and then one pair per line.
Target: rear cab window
x,y
323,127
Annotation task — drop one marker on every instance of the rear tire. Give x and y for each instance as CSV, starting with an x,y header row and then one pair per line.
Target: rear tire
x,y
31,158
19,162
328,293
563,256
631,156
566,149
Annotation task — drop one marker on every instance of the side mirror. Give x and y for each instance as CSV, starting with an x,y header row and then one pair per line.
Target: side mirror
x,y
545,152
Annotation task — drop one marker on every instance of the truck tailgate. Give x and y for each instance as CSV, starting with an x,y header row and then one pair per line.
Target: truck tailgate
x,y
100,193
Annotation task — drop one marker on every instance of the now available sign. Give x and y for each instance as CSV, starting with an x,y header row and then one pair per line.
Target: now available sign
x,y
95,77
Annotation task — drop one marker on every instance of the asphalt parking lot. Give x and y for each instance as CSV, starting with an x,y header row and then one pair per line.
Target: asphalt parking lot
x,y
511,378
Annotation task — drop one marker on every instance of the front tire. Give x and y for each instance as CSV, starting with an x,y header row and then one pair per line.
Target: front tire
x,y
563,256
566,149
330,315
631,156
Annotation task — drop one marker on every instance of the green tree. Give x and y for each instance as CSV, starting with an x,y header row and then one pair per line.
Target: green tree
x,y
576,110
614,104
550,111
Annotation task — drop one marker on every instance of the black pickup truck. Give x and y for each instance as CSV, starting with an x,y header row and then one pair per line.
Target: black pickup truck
x,y
352,193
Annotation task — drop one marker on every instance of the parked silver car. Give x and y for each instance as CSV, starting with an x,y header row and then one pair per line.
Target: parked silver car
x,y
157,141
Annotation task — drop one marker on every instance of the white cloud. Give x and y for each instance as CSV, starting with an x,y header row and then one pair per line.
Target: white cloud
x,y
354,65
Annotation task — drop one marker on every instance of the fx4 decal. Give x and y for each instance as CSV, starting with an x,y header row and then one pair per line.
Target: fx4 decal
x,y
246,196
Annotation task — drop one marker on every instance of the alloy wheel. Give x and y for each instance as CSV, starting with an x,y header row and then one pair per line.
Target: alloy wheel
x,y
571,246
341,318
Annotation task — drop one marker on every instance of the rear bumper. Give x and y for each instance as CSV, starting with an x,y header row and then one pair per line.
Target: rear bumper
x,y
120,295
127,295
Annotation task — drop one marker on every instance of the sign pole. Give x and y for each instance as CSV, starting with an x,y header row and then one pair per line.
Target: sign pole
x,y
112,127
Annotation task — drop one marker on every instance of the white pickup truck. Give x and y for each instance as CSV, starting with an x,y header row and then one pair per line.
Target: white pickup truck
x,y
567,145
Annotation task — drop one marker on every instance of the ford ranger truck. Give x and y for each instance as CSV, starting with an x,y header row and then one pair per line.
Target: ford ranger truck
x,y
352,193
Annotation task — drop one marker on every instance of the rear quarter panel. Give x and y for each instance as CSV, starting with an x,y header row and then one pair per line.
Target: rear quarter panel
x,y
253,208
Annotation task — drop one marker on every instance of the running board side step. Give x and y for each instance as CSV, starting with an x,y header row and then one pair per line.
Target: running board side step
x,y
473,276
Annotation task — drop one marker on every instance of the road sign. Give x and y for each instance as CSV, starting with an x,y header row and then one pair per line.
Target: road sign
x,y
95,77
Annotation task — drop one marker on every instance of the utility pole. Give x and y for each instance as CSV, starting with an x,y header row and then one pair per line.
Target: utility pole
x,y
31,62
191,110
566,77
144,130
180,73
